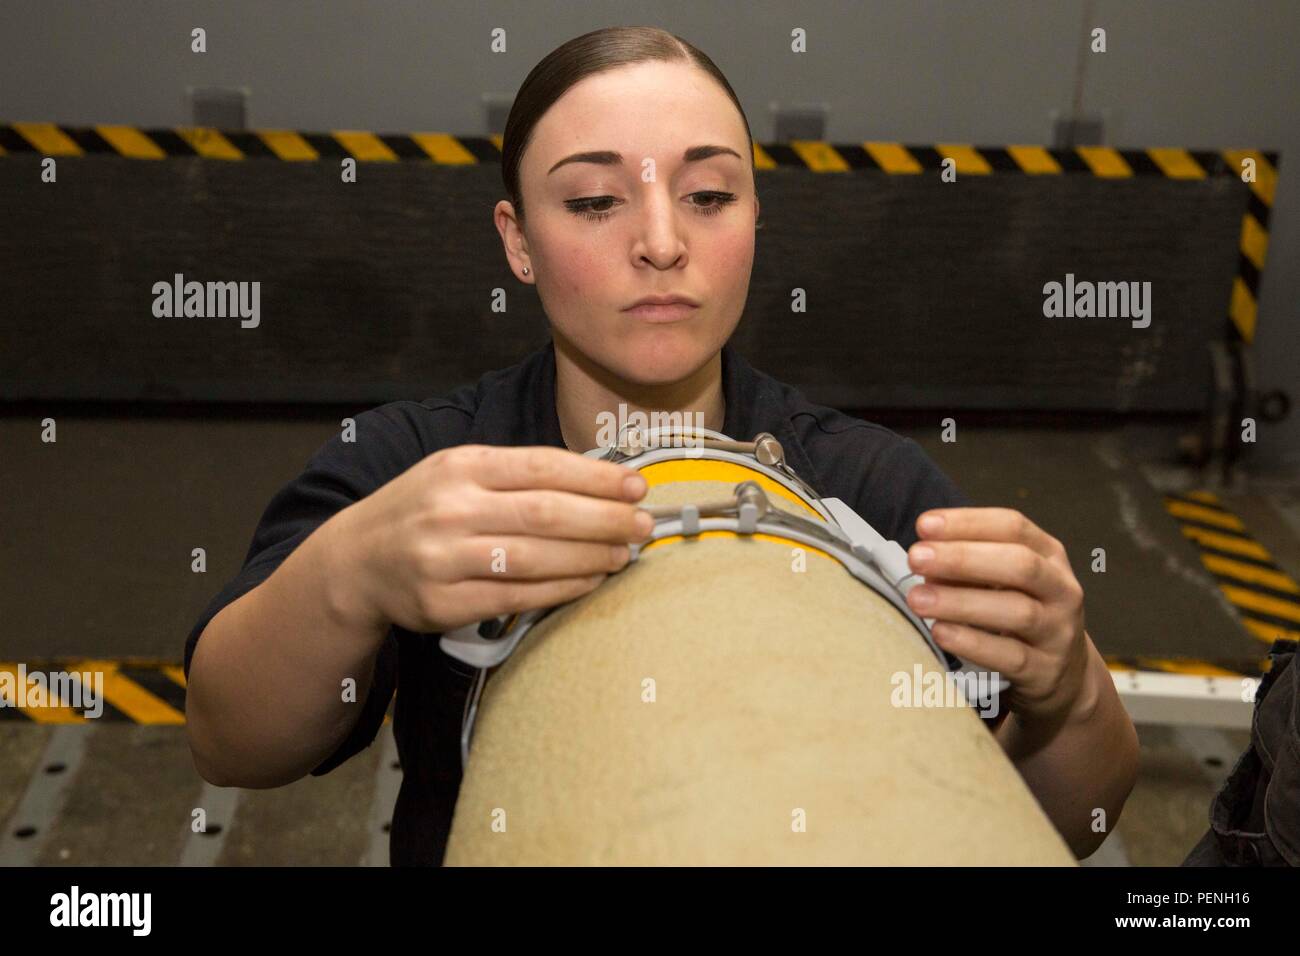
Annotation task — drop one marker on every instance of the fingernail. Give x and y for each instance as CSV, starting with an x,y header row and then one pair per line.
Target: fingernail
x,y
921,553
619,553
645,522
634,487
921,596
931,524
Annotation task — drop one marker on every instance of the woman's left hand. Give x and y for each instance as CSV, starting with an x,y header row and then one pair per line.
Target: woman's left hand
x,y
1004,598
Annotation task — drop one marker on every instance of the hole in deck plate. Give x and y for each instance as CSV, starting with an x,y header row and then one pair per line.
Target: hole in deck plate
x,y
213,829
24,833
396,765
388,825
56,768
1213,761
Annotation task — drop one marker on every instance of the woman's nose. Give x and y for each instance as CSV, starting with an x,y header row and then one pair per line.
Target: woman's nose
x,y
660,228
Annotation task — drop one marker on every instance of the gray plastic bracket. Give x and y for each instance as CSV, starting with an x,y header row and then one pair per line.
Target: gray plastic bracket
x,y
690,520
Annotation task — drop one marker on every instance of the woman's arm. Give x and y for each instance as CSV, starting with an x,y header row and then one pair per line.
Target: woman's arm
x,y
265,704
265,698
1004,598
1085,763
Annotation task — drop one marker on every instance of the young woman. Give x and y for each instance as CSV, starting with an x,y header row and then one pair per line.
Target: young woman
x,y
628,163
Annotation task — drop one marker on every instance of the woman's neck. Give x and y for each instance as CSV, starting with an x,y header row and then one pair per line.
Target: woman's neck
x,y
587,398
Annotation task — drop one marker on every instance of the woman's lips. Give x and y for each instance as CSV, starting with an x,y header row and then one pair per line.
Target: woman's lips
x,y
664,313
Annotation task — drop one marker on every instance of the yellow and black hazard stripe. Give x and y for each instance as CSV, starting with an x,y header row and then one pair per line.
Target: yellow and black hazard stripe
x,y
132,142
1266,598
818,156
1243,309
1188,666
139,691
135,690
153,692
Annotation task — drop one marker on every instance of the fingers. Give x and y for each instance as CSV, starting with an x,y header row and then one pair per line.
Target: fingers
x,y
563,514
518,557
986,524
1010,611
515,469
477,600
1011,658
993,563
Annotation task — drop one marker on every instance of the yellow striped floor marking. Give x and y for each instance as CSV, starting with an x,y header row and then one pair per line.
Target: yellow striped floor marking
x,y
41,712
1220,519
1173,665
130,698
1179,665
1263,603
1267,631
1242,590
135,703
969,162
1250,573
1223,542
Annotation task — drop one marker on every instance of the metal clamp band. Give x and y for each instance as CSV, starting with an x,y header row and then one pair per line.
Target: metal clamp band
x,y
749,512
765,448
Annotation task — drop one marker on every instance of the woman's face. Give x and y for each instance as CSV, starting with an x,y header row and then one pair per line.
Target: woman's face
x,y
641,219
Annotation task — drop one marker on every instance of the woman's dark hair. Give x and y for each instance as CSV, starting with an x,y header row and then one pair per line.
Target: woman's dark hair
x,y
578,59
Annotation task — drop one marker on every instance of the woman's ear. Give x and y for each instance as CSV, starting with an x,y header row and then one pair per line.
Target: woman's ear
x,y
513,239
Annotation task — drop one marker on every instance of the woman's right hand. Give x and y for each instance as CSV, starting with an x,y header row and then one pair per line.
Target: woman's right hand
x,y
478,531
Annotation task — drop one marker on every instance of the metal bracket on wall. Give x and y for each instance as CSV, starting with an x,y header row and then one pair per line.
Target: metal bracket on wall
x,y
1234,396
1208,445
1268,407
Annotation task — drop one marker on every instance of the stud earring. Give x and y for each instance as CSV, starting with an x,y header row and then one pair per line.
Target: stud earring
x,y
525,270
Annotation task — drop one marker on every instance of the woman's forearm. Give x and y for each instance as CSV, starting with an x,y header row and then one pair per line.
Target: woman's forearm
x,y
1084,764
265,702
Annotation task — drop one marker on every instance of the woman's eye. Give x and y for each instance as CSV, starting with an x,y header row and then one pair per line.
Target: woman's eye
x,y
586,207
597,208
718,201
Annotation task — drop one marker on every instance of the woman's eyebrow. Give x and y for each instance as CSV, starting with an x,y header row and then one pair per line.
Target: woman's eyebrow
x,y
607,157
